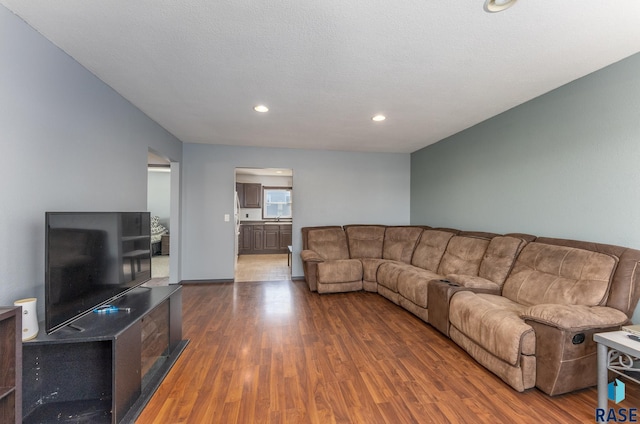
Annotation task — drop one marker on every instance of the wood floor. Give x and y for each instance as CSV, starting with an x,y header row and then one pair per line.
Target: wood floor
x,y
273,352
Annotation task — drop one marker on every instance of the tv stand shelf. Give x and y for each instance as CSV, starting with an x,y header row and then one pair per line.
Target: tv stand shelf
x,y
104,368
10,365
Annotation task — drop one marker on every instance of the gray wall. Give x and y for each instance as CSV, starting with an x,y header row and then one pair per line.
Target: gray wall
x,y
68,142
565,164
330,188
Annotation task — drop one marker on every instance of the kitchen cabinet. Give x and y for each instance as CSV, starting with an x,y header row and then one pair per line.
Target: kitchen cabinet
x,y
246,238
286,238
258,237
252,195
272,237
249,195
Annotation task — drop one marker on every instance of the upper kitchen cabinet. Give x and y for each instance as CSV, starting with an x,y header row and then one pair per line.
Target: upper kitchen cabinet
x,y
249,194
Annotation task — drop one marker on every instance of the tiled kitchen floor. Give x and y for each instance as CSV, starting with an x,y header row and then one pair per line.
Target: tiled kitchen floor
x,y
262,268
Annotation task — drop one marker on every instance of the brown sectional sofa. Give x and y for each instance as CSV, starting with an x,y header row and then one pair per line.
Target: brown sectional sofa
x,y
524,307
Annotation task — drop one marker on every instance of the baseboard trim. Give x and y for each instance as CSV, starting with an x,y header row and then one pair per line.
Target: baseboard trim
x,y
225,281
207,281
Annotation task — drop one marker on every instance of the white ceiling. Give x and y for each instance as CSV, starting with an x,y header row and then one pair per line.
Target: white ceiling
x,y
324,68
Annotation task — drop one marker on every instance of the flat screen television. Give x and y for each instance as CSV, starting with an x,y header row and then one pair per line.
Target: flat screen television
x,y
91,258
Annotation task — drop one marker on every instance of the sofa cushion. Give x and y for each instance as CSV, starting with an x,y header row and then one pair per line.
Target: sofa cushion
x,y
413,285
494,323
389,272
370,268
564,275
463,255
329,243
499,258
339,271
430,248
520,377
365,241
305,233
399,243
625,284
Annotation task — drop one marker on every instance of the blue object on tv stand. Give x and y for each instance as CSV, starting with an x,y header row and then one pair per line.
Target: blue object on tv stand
x,y
109,309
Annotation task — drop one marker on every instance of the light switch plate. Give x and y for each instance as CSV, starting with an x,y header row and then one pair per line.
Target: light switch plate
x,y
226,217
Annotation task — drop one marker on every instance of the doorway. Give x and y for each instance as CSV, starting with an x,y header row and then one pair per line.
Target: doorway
x,y
159,189
264,218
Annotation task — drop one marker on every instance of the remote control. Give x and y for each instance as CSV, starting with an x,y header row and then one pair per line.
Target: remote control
x,y
634,337
108,309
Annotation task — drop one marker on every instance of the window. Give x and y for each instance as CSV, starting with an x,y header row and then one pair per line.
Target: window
x,y
276,202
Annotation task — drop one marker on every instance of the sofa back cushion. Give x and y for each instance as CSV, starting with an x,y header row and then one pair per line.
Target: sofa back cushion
x,y
499,258
329,243
365,241
399,243
545,273
430,249
305,233
463,255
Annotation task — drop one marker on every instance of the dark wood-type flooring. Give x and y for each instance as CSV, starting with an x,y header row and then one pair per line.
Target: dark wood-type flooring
x,y
273,352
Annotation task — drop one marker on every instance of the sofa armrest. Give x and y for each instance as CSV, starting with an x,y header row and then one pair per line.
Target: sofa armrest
x,y
565,347
439,293
575,317
310,256
310,261
474,282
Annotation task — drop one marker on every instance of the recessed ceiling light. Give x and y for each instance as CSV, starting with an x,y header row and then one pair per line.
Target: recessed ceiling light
x,y
379,118
498,5
261,109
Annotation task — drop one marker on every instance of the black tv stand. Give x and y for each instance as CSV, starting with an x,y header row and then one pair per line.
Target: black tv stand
x,y
75,327
107,372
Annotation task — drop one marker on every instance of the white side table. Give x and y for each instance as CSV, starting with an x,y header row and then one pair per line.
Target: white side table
x,y
619,354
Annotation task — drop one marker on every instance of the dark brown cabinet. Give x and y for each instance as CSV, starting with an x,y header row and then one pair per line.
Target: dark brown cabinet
x,y
259,238
249,195
246,238
272,237
106,367
285,237
10,365
252,195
